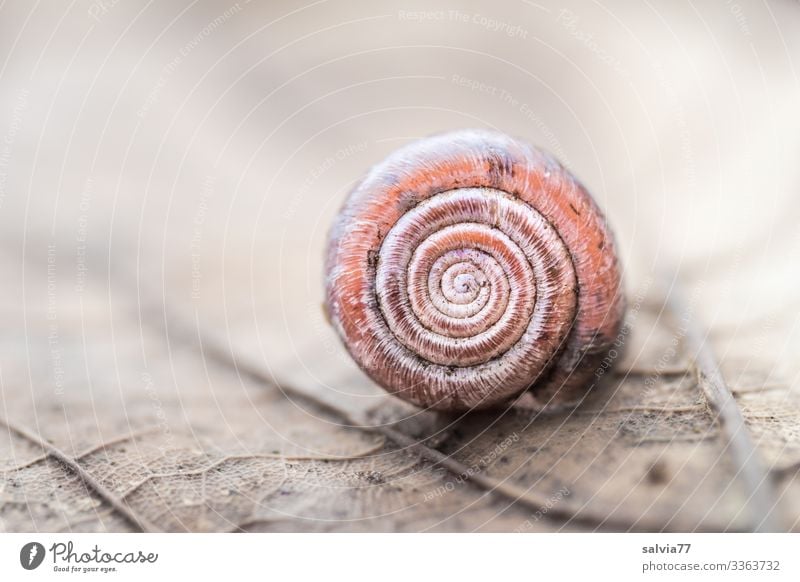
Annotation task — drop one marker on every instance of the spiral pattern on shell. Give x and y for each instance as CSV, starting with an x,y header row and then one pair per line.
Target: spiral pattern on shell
x,y
469,267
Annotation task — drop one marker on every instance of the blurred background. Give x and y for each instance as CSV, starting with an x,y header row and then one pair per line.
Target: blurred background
x,y
194,154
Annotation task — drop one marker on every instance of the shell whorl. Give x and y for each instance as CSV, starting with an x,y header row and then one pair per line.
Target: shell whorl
x,y
469,267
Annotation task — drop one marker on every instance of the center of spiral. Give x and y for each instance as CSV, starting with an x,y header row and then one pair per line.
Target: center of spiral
x,y
466,283
461,283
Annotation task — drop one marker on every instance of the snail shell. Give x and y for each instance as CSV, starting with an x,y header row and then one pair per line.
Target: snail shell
x,y
469,267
